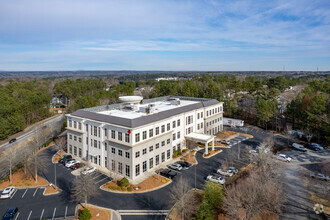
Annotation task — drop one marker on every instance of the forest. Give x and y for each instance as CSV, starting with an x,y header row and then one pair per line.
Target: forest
x,y
252,98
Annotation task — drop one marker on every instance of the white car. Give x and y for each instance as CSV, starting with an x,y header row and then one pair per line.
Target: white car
x,y
225,172
215,179
71,163
8,192
253,152
284,157
175,166
89,170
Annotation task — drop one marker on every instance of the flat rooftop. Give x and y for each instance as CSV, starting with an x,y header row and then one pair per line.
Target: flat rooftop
x,y
158,107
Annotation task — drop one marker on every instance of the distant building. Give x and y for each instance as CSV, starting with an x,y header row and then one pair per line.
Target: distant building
x,y
136,136
167,78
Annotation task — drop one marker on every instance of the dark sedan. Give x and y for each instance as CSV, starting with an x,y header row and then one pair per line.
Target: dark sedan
x,y
10,214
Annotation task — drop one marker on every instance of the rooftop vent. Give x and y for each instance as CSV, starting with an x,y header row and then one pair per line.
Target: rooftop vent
x,y
174,101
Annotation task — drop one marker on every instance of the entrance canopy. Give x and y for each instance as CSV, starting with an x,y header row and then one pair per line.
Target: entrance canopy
x,y
204,138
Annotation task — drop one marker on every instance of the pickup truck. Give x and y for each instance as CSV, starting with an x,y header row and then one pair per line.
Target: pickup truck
x,y
320,176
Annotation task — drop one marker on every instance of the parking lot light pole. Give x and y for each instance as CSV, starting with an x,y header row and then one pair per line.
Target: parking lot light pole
x,y
195,176
55,174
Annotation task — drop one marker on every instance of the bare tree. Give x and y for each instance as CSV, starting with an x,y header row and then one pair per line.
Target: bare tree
x,y
38,163
309,134
185,200
11,155
83,188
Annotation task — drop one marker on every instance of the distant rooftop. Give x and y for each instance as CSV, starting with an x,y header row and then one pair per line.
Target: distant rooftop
x,y
147,111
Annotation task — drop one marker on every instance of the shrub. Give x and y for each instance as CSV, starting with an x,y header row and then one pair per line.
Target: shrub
x,y
175,154
184,150
163,181
85,214
129,188
124,182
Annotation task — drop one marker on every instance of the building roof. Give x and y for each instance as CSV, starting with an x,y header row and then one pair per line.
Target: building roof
x,y
114,115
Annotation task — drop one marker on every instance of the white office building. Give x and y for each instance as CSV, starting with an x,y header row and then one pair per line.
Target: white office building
x,y
136,136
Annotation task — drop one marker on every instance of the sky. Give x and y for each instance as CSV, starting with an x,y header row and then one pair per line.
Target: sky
x,y
174,35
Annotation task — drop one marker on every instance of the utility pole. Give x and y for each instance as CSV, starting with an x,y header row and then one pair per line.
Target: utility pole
x,y
55,174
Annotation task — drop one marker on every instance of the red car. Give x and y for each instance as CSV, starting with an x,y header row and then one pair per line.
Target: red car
x,y
76,166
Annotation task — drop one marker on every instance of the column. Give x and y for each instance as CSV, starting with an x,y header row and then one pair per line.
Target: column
x,y
206,148
213,144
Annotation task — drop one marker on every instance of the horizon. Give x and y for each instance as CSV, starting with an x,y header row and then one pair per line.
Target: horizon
x,y
187,36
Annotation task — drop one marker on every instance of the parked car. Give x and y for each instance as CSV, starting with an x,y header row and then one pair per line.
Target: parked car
x,y
71,163
7,192
315,147
224,142
225,172
65,158
175,166
12,140
320,176
284,157
168,173
185,164
88,170
233,170
10,214
253,152
76,166
318,145
68,161
299,147
215,179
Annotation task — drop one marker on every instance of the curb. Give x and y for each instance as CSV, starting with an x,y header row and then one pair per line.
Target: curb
x,y
212,154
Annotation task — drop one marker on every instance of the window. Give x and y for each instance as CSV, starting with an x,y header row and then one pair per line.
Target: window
x,y
137,137
163,156
75,150
127,155
95,131
120,136
157,160
95,143
105,146
70,123
113,150
120,152
91,129
151,163
198,126
99,132
157,131
174,137
157,145
173,124
127,138
87,128
144,135
105,132
70,136
178,135
128,171
137,170
74,138
113,165
144,166
75,124
95,160
151,148
163,143
207,113
120,168
137,154
178,124
168,141
70,149
202,125
106,162
79,126
168,154
201,114
80,152
144,151
168,127
91,142
80,140
113,134
212,111
197,115
87,140
151,133
163,128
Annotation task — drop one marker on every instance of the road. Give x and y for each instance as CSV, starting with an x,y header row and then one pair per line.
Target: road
x,y
32,131
155,200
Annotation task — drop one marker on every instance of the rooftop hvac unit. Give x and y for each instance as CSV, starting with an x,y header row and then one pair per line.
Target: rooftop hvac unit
x,y
174,101
131,107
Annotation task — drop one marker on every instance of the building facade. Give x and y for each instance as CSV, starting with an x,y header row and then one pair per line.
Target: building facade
x,y
133,138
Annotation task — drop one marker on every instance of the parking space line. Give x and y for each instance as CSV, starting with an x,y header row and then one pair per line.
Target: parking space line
x,y
98,176
35,192
42,213
66,210
17,216
14,193
54,213
29,215
101,180
24,192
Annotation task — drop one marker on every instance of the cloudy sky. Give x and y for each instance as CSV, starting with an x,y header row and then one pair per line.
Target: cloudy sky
x,y
164,35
